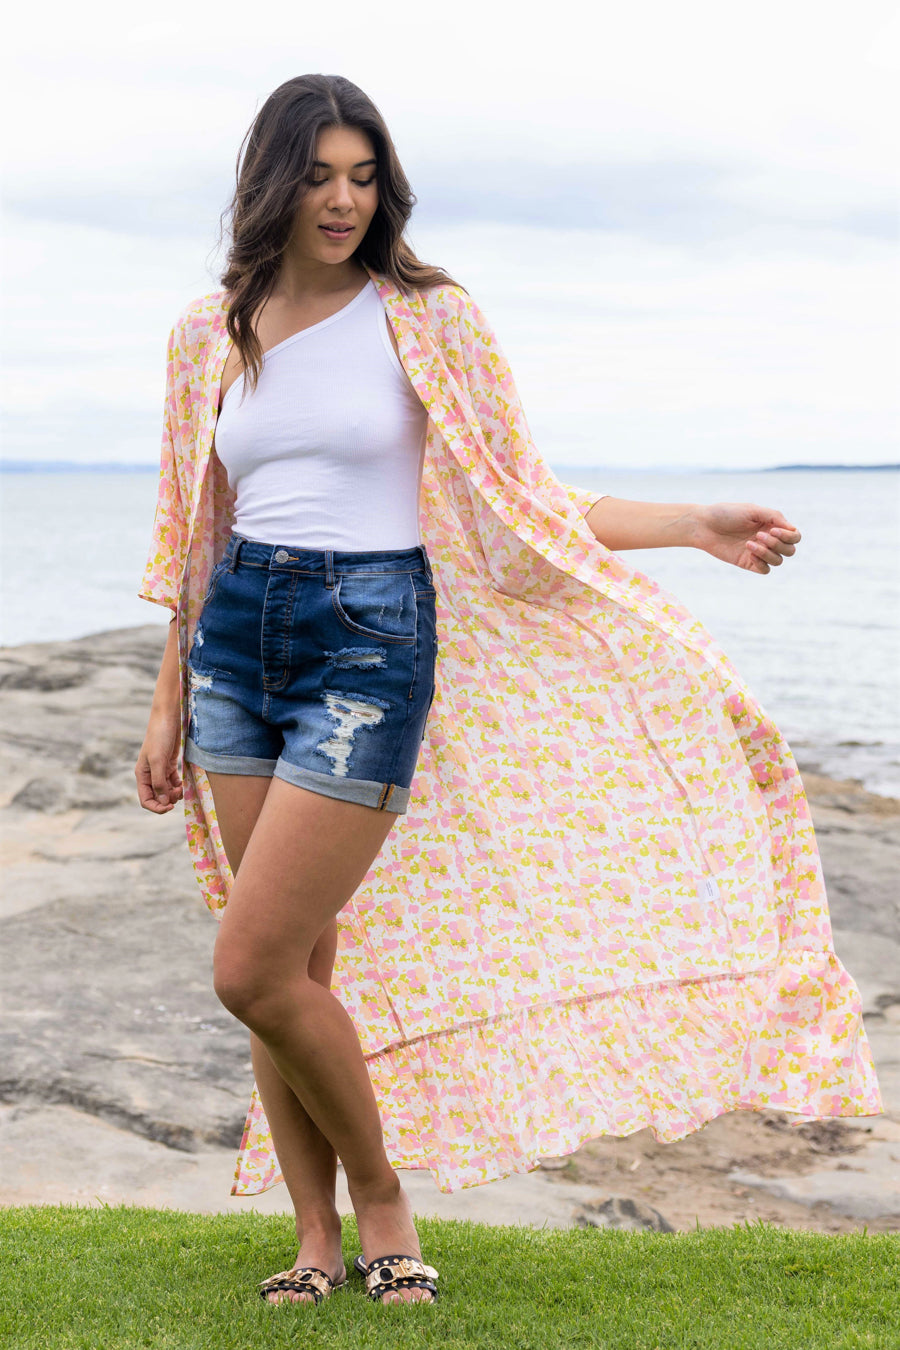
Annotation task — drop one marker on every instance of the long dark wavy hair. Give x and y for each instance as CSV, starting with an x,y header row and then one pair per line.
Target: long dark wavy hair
x,y
274,165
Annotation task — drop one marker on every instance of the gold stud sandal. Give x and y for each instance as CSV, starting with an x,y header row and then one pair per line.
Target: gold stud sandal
x,y
396,1272
301,1280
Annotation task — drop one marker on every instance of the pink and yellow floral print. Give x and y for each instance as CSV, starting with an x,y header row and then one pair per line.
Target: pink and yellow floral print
x,y
604,909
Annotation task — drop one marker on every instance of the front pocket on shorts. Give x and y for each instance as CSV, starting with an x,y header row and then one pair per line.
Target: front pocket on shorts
x,y
213,582
379,605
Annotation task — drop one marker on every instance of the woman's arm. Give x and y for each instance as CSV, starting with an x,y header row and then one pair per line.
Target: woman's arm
x,y
749,536
158,784
168,546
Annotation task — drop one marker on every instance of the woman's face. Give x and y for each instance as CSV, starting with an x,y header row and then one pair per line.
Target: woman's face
x,y
343,191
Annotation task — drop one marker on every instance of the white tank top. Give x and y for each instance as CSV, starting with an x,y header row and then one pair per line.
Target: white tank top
x,y
327,451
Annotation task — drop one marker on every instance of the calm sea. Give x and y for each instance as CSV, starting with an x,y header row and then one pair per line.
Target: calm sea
x,y
818,639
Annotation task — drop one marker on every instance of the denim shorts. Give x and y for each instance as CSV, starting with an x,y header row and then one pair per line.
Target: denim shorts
x,y
316,666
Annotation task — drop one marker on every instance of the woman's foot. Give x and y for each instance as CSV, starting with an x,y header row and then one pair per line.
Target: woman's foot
x,y
385,1224
322,1251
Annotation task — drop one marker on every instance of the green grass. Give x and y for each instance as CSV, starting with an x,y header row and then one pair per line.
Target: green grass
x,y
130,1277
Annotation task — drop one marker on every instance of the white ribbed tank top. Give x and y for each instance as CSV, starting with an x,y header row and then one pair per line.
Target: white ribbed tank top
x,y
327,451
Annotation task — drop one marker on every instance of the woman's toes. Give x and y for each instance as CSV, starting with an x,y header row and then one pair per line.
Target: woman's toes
x,y
408,1296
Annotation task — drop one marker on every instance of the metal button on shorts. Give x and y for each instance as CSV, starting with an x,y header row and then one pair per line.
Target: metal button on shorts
x,y
316,666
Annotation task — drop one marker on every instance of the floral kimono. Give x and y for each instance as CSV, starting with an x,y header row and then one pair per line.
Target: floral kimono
x,y
604,908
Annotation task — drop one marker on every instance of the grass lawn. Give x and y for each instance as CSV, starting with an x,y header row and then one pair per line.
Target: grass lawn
x,y
129,1277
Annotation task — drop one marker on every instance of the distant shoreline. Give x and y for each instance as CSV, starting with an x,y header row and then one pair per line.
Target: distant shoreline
x,y
116,466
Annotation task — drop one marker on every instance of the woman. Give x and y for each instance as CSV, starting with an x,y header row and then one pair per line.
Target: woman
x,y
494,786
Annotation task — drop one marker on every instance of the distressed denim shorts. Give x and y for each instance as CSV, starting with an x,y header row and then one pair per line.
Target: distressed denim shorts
x,y
316,666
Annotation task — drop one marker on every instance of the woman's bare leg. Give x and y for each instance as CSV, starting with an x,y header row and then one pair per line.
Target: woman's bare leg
x,y
307,1160
305,857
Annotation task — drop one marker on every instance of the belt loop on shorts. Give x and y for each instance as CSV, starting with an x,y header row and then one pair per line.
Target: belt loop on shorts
x,y
329,569
236,541
427,565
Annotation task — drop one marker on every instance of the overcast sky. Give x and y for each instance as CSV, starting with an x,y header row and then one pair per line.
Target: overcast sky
x,y
681,219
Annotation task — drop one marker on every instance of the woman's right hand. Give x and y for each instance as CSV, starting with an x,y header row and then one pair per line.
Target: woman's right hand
x,y
158,784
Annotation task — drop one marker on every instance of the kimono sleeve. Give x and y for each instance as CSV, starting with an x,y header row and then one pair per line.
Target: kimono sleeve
x,y
161,581
584,498
496,399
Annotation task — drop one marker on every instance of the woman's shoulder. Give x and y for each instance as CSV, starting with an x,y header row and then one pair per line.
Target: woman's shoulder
x,y
446,295
200,319
451,302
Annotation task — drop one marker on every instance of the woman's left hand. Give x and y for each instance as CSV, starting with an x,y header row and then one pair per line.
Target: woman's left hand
x,y
753,537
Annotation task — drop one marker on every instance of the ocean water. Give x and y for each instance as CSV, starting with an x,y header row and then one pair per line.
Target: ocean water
x,y
817,639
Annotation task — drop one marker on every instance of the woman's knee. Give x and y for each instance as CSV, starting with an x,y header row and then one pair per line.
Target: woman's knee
x,y
249,978
237,985
251,985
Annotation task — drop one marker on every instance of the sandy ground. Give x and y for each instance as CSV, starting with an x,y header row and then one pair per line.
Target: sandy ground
x,y
115,1089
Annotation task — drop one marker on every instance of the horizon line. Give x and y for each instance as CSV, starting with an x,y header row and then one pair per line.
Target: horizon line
x,y
129,466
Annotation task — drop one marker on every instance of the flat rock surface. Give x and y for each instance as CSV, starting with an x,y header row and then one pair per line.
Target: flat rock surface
x,y
125,1079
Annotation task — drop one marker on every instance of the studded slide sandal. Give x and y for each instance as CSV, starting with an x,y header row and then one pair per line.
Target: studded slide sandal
x,y
396,1272
300,1280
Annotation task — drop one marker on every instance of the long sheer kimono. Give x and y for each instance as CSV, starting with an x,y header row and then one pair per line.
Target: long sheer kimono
x,y
604,909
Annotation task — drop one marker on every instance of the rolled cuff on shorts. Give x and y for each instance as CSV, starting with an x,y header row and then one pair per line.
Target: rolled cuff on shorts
x,y
365,792
247,764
